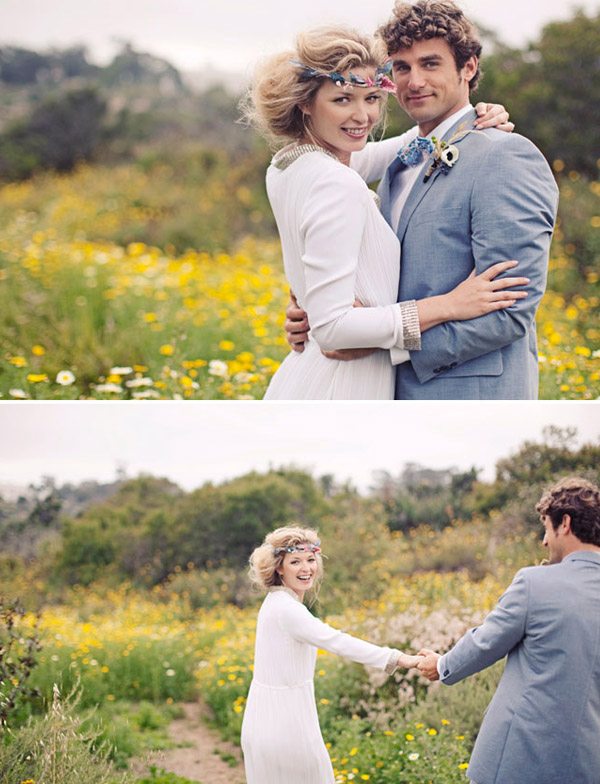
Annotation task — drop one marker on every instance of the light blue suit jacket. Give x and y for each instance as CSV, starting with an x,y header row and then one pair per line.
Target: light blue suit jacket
x,y
543,723
498,202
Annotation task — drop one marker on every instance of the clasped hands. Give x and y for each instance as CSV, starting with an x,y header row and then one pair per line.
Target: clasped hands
x,y
425,661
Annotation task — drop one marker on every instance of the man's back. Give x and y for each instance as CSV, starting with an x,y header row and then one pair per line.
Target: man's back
x,y
543,724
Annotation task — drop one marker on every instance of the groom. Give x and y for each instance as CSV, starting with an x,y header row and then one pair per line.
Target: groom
x,y
496,201
543,723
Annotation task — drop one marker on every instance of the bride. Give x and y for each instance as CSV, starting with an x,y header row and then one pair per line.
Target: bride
x,y
324,99
281,738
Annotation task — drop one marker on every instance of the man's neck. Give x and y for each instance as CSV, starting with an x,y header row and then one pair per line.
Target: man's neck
x,y
428,128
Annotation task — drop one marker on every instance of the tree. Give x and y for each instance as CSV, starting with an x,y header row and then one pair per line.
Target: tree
x,y
21,66
61,132
222,524
47,504
133,67
553,91
522,477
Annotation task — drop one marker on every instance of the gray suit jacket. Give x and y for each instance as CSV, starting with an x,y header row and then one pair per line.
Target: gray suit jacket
x,y
543,723
497,202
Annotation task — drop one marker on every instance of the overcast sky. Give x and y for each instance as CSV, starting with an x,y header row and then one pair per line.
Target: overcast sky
x,y
192,443
232,34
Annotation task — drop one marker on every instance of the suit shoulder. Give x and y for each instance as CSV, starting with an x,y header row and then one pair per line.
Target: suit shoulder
x,y
540,574
492,141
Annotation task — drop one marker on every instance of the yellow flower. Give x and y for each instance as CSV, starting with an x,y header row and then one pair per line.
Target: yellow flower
x,y
167,350
37,378
19,362
226,345
38,350
408,736
432,731
463,766
353,751
324,701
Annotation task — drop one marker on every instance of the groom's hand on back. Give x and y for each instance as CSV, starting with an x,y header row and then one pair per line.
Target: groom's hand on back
x,y
297,327
428,664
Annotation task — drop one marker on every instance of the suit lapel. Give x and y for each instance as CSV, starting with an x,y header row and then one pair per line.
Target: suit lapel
x,y
420,188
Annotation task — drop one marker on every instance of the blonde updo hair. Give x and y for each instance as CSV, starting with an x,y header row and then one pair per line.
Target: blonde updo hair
x,y
264,563
274,102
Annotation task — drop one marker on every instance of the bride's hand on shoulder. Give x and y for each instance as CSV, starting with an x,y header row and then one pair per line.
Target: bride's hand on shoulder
x,y
481,294
493,115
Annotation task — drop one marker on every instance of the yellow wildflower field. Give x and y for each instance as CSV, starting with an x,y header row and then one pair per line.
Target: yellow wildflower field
x,y
85,315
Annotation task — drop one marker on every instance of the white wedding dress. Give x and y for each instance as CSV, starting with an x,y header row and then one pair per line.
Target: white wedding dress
x,y
281,738
337,247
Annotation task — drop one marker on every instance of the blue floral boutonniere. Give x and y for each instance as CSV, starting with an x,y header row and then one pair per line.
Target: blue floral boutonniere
x,y
445,153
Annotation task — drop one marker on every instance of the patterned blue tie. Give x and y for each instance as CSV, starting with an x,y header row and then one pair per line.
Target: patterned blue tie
x,y
412,154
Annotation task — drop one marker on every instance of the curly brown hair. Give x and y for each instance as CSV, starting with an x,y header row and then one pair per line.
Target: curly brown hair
x,y
577,498
433,19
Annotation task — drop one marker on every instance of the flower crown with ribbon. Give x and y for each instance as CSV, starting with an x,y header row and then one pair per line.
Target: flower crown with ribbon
x,y
381,81
304,547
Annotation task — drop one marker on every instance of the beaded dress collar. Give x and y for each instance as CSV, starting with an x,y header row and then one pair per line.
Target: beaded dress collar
x,y
288,155
285,589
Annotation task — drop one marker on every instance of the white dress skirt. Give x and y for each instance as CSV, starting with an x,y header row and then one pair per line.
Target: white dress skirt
x,y
338,247
281,738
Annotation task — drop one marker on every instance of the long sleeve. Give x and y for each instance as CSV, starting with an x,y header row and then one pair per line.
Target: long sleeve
x,y
513,208
481,647
373,160
296,620
332,226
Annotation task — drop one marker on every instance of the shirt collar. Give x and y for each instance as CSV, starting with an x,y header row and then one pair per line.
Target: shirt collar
x,y
446,124
583,555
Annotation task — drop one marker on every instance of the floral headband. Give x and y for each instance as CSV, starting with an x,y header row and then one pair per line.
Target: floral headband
x,y
381,81
305,547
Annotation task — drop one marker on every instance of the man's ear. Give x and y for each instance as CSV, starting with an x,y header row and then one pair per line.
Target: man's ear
x,y
565,524
469,69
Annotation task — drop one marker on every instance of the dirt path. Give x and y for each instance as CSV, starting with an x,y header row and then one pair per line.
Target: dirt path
x,y
205,758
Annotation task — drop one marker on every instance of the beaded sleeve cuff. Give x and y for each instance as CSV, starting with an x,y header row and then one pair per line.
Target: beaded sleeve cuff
x,y
411,330
392,664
